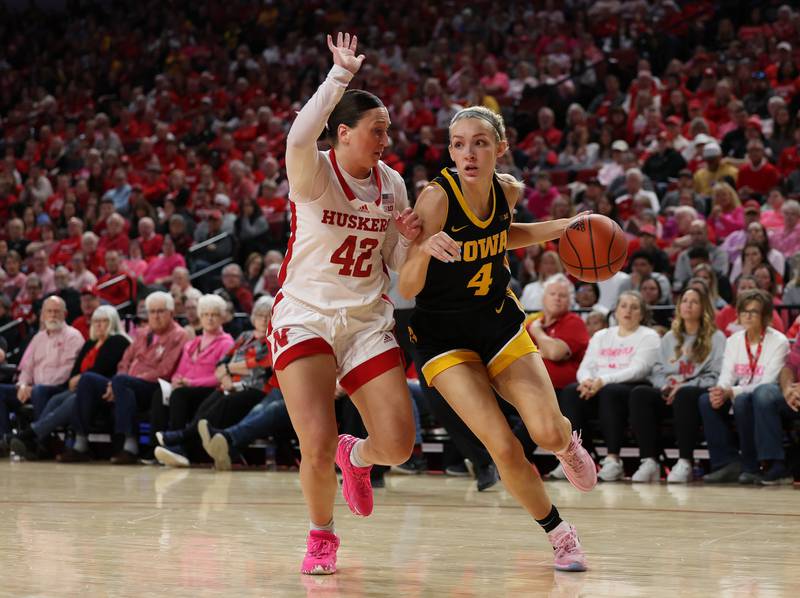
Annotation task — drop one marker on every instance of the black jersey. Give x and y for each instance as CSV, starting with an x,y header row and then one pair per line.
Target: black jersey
x,y
482,275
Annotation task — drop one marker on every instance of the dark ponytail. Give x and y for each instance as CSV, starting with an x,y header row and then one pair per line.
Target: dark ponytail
x,y
349,110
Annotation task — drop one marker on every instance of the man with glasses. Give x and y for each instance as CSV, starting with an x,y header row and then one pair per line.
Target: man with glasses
x,y
153,355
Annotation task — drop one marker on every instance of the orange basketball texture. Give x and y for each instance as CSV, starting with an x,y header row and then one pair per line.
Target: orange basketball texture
x,y
593,248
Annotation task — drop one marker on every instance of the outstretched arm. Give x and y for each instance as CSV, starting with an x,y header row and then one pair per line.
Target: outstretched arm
x,y
432,241
529,233
302,157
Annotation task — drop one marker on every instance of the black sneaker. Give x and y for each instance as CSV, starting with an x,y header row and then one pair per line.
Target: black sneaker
x,y
728,474
777,475
458,470
487,477
26,447
416,464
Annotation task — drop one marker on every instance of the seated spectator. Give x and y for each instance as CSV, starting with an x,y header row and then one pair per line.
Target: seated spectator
x,y
706,273
240,295
44,368
672,199
770,281
771,407
42,269
616,360
532,293
539,198
757,176
752,361
772,216
160,270
193,379
89,302
253,267
116,237
727,214
560,334
587,296
700,251
68,246
654,297
154,354
715,171
689,364
81,277
71,297
635,190
787,240
755,252
244,375
193,327
116,286
251,228
135,265
270,282
14,281
727,319
643,267
663,164
100,354
734,242
213,252
149,240
596,321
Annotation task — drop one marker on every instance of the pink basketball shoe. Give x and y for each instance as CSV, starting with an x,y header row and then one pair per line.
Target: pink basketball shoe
x,y
320,556
567,547
356,486
578,465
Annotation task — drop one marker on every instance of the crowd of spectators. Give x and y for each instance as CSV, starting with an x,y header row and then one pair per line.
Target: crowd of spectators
x,y
142,169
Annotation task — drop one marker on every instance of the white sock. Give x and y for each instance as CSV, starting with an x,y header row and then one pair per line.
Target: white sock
x,y
328,527
131,445
355,457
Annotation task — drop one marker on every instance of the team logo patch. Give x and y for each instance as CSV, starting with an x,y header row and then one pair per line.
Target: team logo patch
x,y
387,201
363,208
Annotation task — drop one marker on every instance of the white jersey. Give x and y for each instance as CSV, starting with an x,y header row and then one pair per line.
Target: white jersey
x,y
343,234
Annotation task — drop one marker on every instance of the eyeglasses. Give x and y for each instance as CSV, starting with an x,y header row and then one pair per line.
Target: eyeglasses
x,y
750,312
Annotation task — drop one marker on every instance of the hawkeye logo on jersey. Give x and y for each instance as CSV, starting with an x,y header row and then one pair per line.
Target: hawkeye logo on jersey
x,y
483,248
375,225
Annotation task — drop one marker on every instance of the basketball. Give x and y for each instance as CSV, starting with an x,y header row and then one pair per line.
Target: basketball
x,y
593,248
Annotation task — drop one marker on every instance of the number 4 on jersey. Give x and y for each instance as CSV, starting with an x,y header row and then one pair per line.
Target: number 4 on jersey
x,y
481,281
345,256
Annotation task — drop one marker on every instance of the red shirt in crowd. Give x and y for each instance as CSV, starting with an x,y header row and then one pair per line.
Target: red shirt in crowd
x,y
761,180
571,329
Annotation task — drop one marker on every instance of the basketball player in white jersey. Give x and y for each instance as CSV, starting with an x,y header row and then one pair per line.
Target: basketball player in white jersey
x,y
332,318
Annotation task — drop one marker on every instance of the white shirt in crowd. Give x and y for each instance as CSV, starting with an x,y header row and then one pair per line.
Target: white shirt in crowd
x,y
736,371
614,358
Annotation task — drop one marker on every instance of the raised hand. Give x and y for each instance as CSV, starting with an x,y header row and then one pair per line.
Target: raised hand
x,y
408,223
344,52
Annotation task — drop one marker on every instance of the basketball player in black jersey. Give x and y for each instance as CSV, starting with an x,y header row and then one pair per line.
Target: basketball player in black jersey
x,y
468,326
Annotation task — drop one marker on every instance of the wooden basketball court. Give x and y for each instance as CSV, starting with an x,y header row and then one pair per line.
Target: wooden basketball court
x,y
97,530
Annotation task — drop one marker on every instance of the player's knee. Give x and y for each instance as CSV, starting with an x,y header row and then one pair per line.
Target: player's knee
x,y
396,448
319,456
553,435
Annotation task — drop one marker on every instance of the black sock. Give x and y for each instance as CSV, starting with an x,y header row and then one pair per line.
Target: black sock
x,y
550,522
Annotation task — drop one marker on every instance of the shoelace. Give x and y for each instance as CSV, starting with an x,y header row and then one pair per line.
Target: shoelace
x,y
571,454
566,543
319,547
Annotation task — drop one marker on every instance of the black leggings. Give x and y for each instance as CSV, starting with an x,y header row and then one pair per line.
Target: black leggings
x,y
648,409
610,403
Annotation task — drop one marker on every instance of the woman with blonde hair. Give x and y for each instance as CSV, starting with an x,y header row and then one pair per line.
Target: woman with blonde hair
x,y
727,214
689,364
706,273
100,355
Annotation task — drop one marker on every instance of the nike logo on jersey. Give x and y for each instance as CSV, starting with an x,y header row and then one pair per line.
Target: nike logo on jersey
x,y
455,229
499,309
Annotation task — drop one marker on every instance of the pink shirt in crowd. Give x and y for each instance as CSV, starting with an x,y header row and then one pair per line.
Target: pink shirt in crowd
x,y
198,366
162,266
787,243
153,356
50,356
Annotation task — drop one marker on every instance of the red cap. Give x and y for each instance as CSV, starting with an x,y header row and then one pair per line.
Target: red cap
x,y
754,122
751,205
674,120
89,290
647,229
